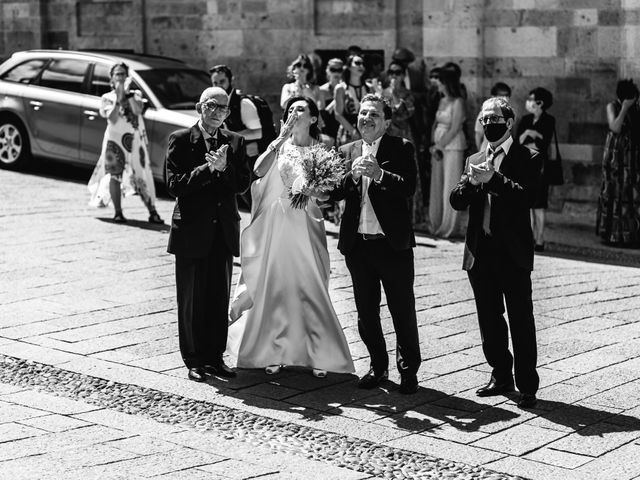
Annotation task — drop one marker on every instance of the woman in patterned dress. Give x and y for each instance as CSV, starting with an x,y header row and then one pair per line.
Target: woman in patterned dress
x,y
618,220
347,95
124,167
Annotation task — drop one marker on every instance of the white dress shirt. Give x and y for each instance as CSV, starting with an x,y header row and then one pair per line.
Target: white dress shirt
x,y
368,220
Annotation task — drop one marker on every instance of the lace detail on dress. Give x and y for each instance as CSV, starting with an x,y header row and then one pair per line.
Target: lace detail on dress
x,y
289,163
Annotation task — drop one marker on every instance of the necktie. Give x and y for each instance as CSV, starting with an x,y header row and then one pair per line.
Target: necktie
x,y
486,219
212,144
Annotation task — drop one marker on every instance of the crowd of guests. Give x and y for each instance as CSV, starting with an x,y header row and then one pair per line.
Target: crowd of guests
x,y
431,109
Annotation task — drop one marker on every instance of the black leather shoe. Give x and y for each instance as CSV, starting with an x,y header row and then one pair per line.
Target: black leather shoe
x,y
408,384
527,400
197,374
494,388
372,379
119,218
220,370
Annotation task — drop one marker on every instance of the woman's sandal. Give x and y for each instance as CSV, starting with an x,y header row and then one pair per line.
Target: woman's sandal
x,y
119,218
272,369
155,218
319,373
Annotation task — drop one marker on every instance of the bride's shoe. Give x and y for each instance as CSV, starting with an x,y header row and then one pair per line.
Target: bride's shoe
x,y
272,369
319,373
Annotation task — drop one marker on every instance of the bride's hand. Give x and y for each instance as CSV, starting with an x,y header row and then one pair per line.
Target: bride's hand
x,y
316,193
287,127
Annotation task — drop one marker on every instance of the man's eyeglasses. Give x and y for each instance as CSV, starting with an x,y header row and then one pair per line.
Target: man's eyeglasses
x,y
490,119
394,72
214,107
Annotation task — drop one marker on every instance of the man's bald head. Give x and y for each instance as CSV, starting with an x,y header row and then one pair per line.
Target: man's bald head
x,y
214,93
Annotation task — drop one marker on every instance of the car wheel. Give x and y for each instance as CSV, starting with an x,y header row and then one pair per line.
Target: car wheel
x,y
14,144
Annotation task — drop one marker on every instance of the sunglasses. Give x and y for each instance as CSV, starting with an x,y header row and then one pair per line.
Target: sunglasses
x,y
335,69
394,72
358,63
299,65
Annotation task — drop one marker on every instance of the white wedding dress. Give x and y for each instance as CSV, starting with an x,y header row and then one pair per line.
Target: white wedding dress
x,y
281,310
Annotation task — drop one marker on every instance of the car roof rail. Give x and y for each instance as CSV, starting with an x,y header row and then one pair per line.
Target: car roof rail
x,y
129,53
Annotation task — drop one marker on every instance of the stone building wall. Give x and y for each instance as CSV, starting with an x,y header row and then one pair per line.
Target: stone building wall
x,y
575,48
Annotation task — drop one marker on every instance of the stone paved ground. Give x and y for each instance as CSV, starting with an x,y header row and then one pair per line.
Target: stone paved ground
x,y
92,385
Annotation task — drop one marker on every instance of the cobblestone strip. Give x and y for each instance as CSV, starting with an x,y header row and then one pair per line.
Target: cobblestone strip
x,y
339,450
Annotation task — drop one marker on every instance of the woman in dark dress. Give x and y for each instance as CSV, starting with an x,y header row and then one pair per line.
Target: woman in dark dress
x,y
536,130
618,220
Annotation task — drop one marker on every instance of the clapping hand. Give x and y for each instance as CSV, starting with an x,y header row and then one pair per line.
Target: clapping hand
x,y
533,134
480,173
217,160
367,166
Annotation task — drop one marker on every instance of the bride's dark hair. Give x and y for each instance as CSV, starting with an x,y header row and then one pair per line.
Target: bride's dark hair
x,y
314,131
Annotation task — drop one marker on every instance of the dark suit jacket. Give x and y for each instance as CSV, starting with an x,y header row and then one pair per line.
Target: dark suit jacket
x,y
204,199
390,199
512,191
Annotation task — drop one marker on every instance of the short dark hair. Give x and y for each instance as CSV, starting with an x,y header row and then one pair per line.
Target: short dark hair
x,y
386,106
503,104
121,65
314,130
397,64
222,69
542,95
346,73
626,89
500,87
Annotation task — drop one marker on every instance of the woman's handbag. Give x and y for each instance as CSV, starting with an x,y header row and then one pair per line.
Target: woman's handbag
x,y
553,174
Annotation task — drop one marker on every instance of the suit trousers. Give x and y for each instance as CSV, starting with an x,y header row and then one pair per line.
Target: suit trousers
x,y
203,286
496,280
372,262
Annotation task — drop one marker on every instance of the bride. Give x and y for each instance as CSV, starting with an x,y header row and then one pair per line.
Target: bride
x,y
281,308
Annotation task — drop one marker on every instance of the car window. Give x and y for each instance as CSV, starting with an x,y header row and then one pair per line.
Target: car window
x,y
100,80
64,74
175,88
25,72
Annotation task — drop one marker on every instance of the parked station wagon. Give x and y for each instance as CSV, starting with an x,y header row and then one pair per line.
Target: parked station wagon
x,y
49,103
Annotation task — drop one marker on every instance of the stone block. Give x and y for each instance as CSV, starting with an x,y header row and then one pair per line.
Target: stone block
x,y
573,87
437,42
546,17
629,4
587,133
613,17
585,17
558,458
520,42
519,439
577,41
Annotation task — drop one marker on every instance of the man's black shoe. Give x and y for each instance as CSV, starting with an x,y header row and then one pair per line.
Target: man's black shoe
x,y
197,374
527,400
494,388
372,379
220,370
408,384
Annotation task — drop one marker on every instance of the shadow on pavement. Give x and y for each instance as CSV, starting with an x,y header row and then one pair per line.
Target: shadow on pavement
x,y
137,224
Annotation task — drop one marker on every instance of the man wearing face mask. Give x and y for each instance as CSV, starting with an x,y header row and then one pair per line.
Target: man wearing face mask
x,y
498,185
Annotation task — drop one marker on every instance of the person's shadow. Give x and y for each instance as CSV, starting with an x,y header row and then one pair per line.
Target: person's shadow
x,y
297,391
162,227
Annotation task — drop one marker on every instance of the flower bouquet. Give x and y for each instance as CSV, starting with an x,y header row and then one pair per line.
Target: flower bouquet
x,y
321,170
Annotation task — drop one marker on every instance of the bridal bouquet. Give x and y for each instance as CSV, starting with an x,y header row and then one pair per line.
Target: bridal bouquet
x,y
321,170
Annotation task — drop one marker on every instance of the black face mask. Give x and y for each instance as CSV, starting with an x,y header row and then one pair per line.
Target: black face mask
x,y
495,131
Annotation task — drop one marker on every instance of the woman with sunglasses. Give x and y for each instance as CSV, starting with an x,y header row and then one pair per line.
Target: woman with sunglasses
x,y
124,167
301,82
402,102
347,96
536,130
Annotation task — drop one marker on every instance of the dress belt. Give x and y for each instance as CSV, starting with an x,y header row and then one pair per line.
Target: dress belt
x,y
372,236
